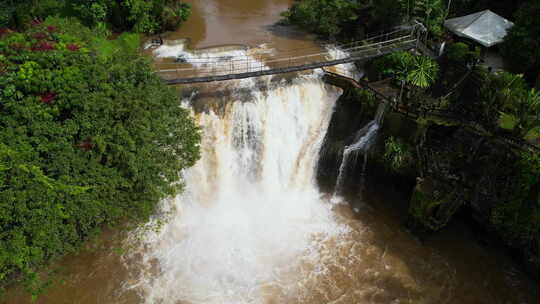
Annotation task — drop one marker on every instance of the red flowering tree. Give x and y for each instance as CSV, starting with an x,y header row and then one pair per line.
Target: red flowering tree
x,y
43,46
73,47
87,136
47,97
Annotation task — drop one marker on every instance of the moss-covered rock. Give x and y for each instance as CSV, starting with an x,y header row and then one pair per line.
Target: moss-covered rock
x,y
433,203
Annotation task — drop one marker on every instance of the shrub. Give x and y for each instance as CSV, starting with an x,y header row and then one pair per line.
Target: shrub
x,y
461,53
518,217
521,47
397,155
390,65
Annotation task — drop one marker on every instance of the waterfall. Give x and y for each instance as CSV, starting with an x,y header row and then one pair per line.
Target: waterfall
x,y
363,140
251,222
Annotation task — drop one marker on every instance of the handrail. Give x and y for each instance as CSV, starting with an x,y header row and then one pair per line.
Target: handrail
x,y
250,66
244,58
472,126
215,68
248,69
343,46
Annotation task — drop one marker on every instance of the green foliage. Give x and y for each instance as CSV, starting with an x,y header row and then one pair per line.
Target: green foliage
x,y
507,121
125,43
146,16
324,17
141,16
433,204
18,13
521,47
507,95
365,97
519,216
431,13
91,12
392,64
397,154
527,110
460,52
330,18
419,71
87,137
385,14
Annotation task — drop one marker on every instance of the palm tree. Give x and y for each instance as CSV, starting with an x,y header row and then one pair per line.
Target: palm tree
x,y
422,72
404,60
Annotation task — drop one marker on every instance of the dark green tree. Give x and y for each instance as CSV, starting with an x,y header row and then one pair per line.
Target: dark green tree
x,y
430,12
327,18
132,15
521,47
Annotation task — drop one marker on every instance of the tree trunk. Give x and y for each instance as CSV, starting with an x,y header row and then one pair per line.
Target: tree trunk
x,y
401,92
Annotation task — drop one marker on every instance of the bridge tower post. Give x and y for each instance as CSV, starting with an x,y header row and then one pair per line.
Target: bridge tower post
x,y
418,30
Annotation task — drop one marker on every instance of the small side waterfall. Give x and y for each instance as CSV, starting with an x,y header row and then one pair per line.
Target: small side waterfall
x,y
363,141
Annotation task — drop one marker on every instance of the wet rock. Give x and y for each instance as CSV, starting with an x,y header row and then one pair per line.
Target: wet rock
x,y
433,203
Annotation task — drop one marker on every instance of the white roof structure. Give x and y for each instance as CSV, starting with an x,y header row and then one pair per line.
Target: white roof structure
x,y
485,27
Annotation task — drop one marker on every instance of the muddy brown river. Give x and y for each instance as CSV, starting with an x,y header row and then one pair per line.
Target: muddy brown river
x,y
252,226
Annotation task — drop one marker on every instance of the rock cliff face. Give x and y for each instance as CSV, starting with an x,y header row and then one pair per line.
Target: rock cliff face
x,y
477,175
350,115
451,170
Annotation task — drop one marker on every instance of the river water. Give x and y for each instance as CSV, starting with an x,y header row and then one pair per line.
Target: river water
x,y
252,226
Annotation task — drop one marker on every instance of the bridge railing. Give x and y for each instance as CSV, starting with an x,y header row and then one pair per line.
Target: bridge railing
x,y
215,66
379,37
436,111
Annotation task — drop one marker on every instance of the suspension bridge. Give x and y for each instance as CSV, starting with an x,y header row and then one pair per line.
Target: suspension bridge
x,y
211,67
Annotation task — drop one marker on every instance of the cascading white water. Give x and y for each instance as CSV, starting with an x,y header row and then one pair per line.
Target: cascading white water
x,y
251,224
362,143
